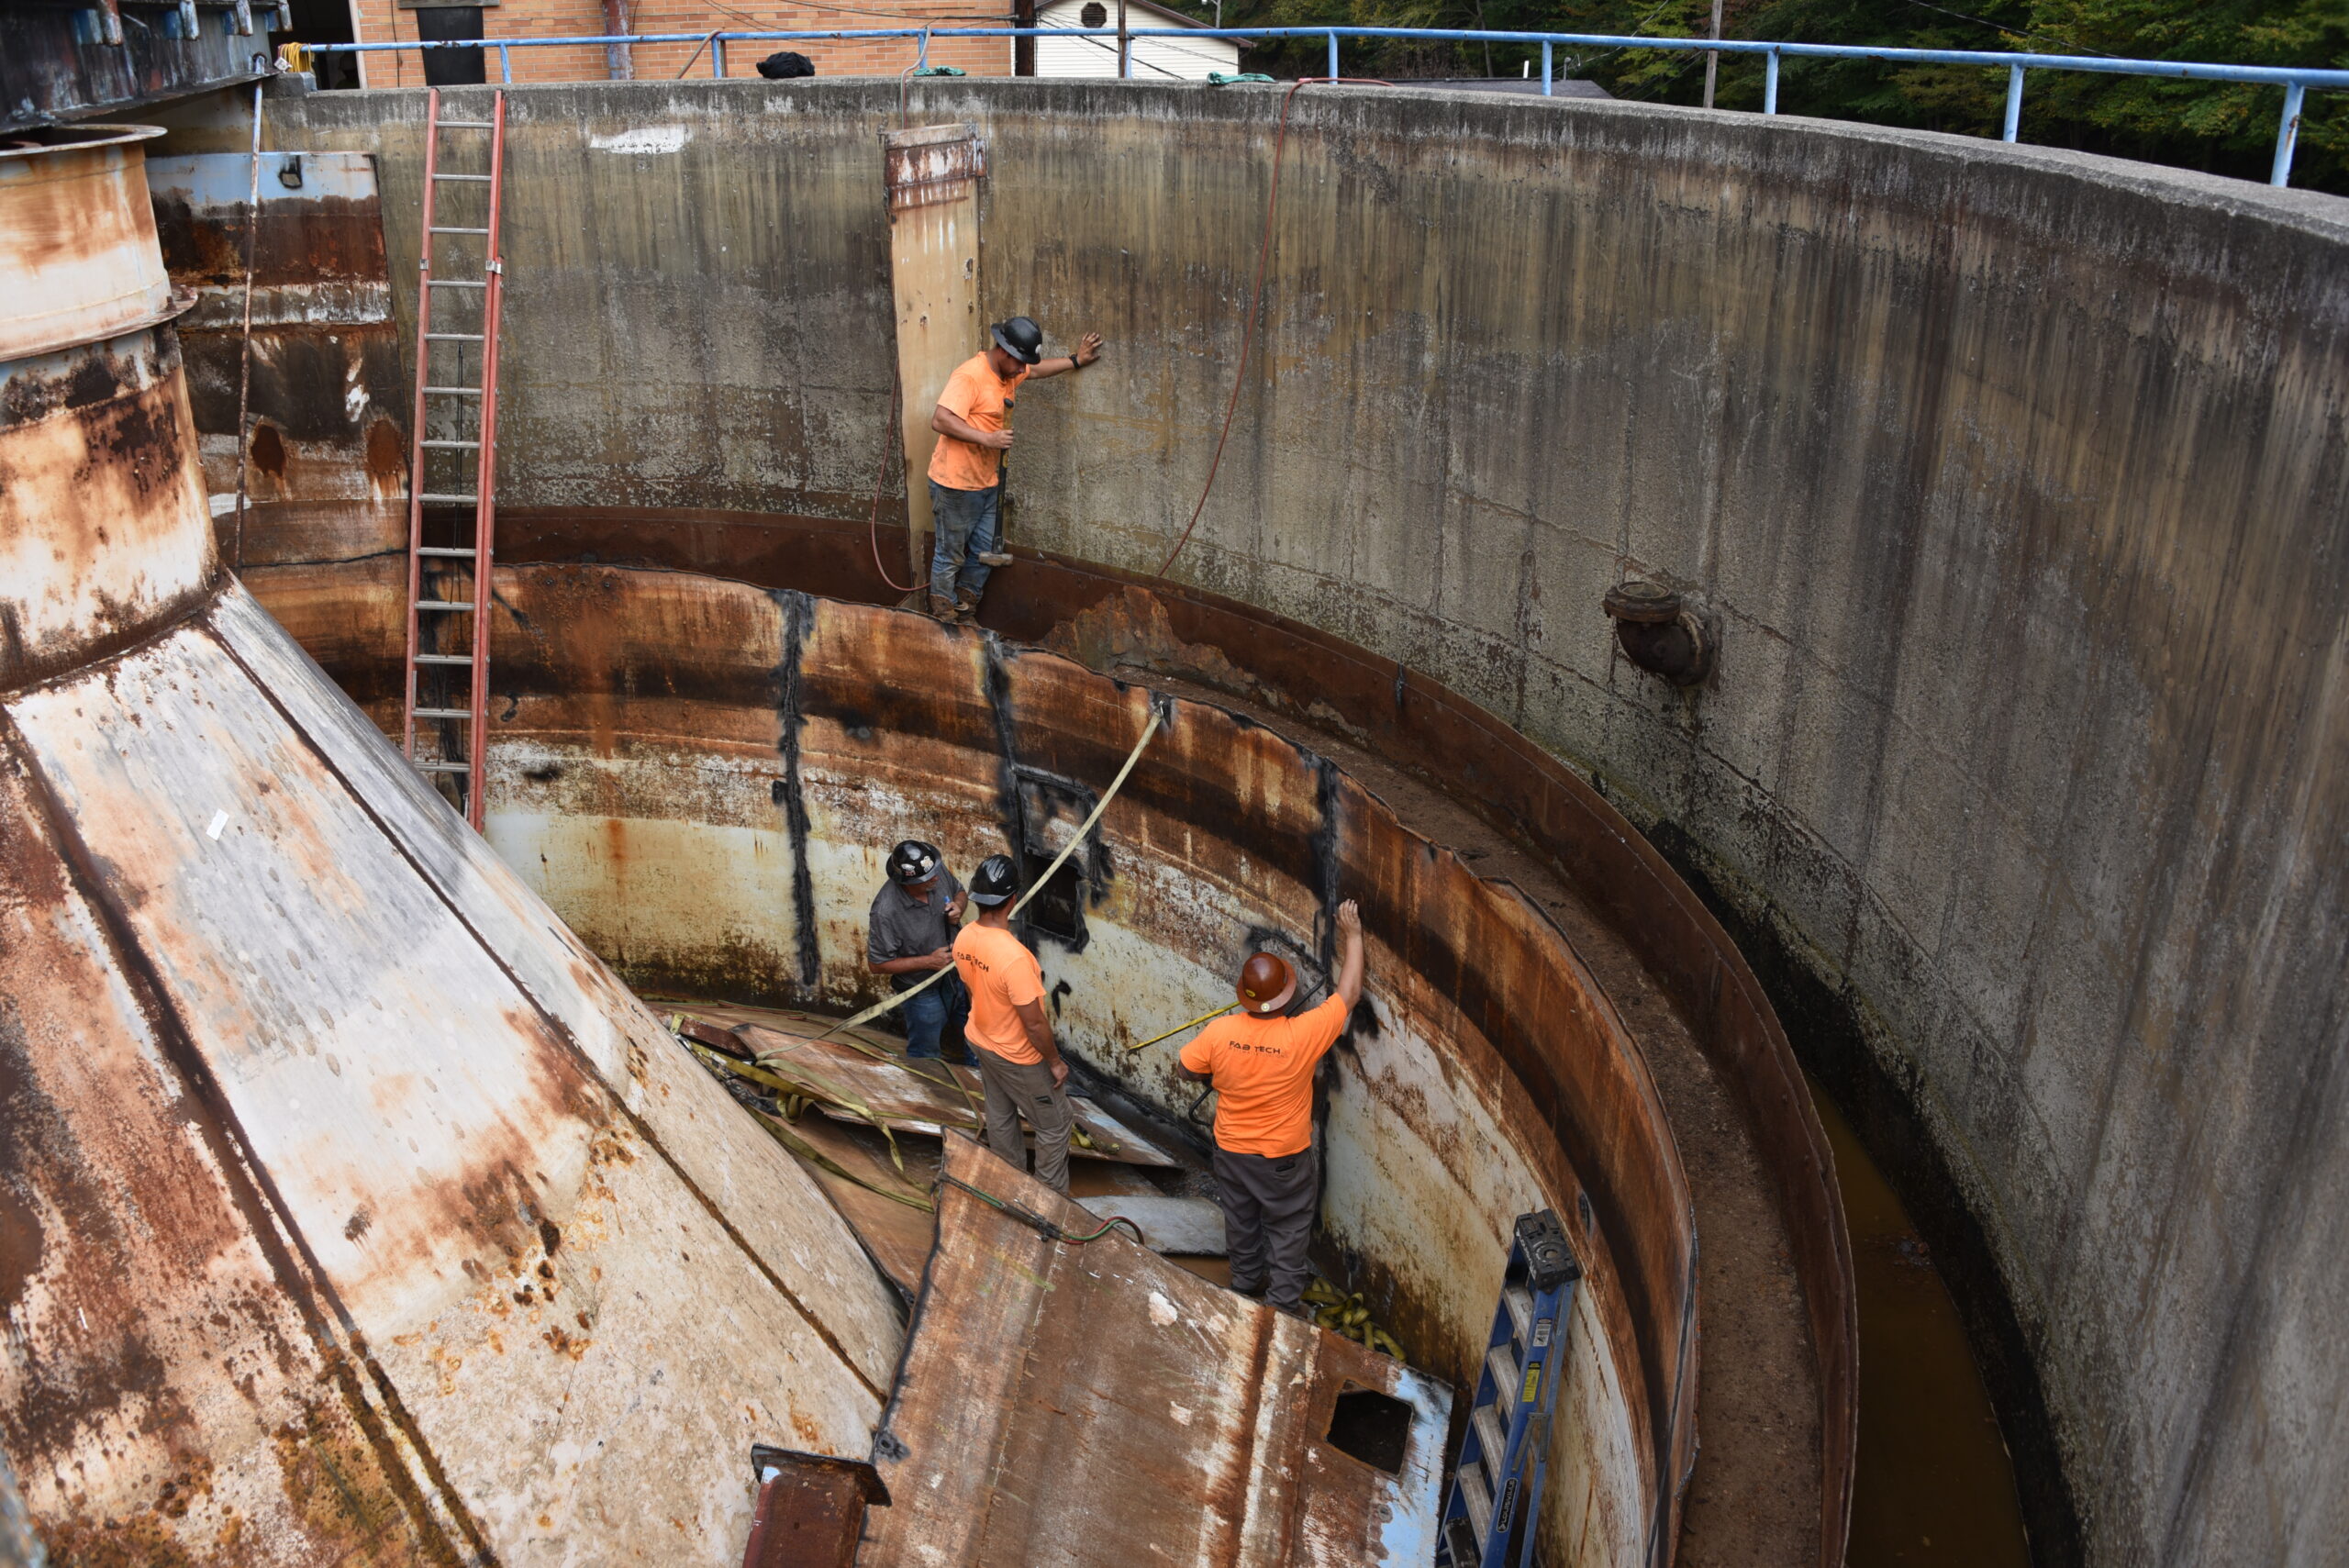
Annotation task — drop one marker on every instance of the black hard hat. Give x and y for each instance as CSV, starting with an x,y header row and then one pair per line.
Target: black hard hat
x,y
995,882
1020,337
913,861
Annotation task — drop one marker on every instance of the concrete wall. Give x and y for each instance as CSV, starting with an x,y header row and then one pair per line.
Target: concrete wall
x,y
2014,481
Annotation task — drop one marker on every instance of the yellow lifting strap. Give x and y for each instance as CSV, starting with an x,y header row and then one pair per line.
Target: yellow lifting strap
x,y
901,997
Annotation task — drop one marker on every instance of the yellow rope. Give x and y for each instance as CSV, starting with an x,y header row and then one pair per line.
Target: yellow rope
x,y
901,997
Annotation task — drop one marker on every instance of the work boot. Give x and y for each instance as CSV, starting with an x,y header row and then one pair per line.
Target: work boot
x,y
942,608
966,607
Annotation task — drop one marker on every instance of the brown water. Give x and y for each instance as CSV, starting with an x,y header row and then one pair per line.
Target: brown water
x,y
1935,1484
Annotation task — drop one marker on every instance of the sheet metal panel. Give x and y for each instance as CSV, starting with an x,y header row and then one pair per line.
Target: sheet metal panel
x,y
764,1194
173,1389
327,460
1064,1404
930,176
485,1214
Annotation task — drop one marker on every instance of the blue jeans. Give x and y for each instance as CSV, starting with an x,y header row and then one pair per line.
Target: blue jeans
x,y
968,521
930,1015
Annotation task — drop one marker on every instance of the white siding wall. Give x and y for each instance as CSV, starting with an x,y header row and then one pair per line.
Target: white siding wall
x,y
1154,59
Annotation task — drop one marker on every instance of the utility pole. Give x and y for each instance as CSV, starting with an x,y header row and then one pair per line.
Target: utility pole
x,y
1023,50
1125,45
1713,56
618,63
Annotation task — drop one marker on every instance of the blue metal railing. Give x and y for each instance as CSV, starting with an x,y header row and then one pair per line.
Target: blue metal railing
x,y
2295,82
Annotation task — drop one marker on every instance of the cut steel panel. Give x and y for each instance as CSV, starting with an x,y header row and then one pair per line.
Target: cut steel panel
x,y
482,1210
1083,1404
77,239
763,1192
930,176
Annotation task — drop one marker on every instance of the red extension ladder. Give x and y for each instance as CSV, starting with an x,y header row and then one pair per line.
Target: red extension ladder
x,y
462,376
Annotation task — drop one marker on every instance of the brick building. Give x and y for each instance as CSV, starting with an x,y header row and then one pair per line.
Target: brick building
x,y
383,21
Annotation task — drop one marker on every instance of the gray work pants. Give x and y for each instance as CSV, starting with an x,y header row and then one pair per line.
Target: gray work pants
x,y
1268,1209
1015,1089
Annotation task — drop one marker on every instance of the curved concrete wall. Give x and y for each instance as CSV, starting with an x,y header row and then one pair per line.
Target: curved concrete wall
x,y
2013,480
702,777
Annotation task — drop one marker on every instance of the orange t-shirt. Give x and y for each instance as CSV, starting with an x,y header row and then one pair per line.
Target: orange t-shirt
x,y
976,395
1001,975
1263,1070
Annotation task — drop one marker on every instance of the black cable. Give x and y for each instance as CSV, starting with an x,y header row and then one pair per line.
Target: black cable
x,y
2013,32
1048,1229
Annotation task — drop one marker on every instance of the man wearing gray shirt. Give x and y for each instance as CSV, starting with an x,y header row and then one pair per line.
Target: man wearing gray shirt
x,y
911,933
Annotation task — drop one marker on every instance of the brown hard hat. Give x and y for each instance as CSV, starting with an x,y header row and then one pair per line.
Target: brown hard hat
x,y
1267,983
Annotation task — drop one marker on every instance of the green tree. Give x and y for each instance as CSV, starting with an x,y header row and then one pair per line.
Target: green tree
x,y
2220,128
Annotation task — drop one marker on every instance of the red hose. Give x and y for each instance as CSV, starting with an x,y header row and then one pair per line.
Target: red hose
x,y
1255,299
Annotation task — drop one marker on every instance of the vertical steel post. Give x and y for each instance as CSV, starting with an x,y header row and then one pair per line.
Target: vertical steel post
x,y
1545,70
1125,45
2287,135
2014,104
1770,83
1713,56
718,60
1334,55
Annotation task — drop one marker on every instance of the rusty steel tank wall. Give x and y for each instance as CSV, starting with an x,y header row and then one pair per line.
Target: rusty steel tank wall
x,y
350,1210
702,778
2010,478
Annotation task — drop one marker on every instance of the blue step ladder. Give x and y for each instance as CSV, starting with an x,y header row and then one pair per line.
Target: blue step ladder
x,y
1493,1506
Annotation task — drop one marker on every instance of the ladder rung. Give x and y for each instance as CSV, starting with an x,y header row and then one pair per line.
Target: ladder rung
x,y
469,179
1480,1506
444,230
452,337
1492,1432
429,496
453,284
464,658
455,391
1503,1367
441,550
445,605
1520,1302
464,125
444,767
467,713
466,446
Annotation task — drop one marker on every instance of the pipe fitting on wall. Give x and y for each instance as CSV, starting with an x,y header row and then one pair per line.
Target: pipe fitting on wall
x,y
1659,633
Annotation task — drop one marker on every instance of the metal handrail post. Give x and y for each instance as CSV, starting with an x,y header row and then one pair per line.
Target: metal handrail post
x,y
1545,70
2287,135
505,65
717,57
1334,53
2014,104
921,52
1770,83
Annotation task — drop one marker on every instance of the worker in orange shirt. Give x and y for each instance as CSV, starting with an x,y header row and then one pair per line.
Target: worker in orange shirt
x,y
1260,1063
973,424
1020,1068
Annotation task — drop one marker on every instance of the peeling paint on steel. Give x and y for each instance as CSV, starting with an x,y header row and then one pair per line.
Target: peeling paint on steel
x,y
1067,1404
